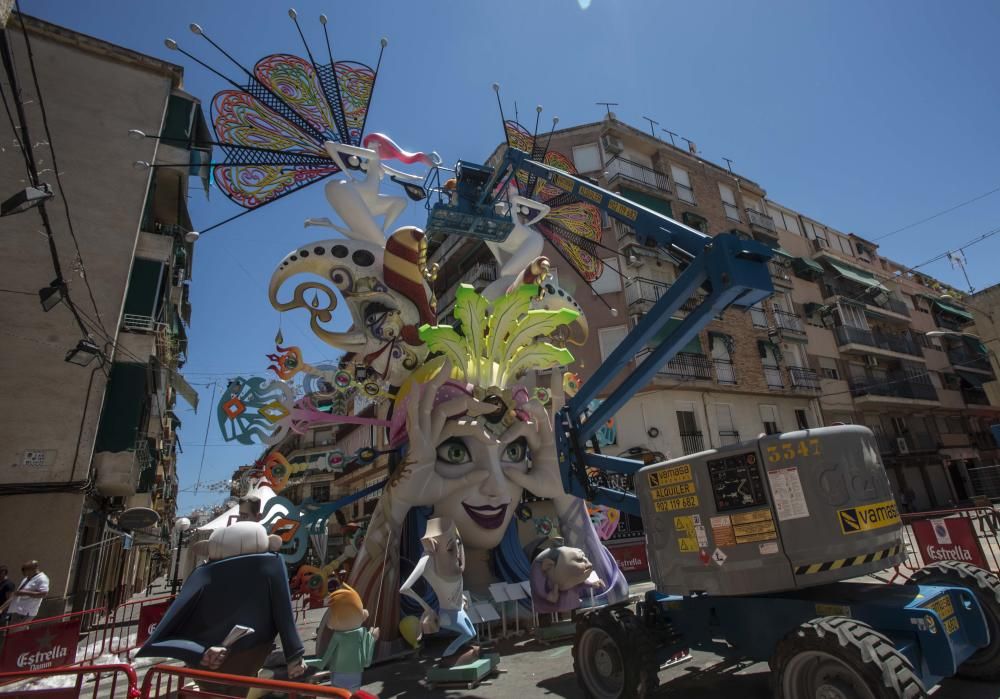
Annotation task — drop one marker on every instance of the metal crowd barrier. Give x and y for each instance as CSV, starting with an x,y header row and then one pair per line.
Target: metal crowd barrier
x,y
183,682
93,681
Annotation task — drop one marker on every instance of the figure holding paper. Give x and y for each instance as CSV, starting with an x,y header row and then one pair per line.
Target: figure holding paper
x,y
442,566
230,610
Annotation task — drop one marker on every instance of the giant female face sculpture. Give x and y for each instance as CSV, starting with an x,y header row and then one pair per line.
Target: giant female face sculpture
x,y
384,290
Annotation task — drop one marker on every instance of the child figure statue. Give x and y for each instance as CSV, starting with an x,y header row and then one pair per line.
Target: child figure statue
x,y
442,565
351,646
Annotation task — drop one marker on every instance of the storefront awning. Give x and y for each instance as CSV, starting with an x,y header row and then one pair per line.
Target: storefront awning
x,y
184,389
948,308
857,275
804,264
974,379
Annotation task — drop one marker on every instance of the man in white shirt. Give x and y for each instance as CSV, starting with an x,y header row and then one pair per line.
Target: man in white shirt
x,y
29,594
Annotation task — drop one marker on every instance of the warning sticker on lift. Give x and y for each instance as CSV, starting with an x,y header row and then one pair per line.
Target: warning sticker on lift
x,y
687,541
789,498
863,518
722,531
749,527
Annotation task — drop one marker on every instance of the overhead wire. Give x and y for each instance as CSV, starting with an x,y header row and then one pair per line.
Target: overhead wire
x,y
55,165
938,214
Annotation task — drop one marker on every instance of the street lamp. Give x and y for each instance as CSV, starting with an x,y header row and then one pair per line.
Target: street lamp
x,y
181,525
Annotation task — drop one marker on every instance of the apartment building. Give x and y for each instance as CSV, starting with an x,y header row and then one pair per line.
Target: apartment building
x,y
893,351
848,336
84,443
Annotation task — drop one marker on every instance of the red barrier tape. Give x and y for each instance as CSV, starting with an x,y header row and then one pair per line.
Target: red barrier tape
x,y
109,681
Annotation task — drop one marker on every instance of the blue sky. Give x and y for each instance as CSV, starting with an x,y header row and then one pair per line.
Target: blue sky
x,y
866,116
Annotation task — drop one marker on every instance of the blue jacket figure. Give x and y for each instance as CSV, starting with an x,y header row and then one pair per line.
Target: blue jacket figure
x,y
244,583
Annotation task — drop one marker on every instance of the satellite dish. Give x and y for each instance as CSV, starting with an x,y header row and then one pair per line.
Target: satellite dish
x,y
138,518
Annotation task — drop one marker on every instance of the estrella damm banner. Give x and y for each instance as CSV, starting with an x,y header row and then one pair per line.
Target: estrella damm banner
x,y
863,518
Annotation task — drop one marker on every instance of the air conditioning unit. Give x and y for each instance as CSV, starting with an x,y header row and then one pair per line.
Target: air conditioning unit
x,y
901,446
870,360
612,144
820,243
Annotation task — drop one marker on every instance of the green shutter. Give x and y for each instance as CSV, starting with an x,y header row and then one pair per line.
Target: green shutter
x,y
692,347
143,287
658,205
180,117
124,407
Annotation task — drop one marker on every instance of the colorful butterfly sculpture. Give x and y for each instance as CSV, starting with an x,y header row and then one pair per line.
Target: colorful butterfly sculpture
x,y
571,226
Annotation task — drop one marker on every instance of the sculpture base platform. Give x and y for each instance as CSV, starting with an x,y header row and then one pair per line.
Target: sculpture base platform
x,y
554,633
468,676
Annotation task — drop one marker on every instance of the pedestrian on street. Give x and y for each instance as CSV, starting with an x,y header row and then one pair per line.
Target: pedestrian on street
x,y
29,594
6,592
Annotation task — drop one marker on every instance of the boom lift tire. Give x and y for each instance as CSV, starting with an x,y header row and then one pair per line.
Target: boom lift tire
x,y
836,657
985,664
614,656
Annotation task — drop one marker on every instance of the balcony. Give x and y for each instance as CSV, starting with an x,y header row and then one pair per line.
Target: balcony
x,y
803,379
692,442
789,322
891,385
901,344
901,445
619,167
780,274
758,317
137,323
772,374
725,371
874,302
759,220
640,290
727,437
687,366
974,396
966,359
983,440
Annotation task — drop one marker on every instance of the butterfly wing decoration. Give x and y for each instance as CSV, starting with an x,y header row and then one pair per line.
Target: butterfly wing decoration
x,y
573,227
272,132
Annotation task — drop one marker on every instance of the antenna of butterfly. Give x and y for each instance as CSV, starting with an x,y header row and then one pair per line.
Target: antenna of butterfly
x,y
137,134
503,119
174,46
555,120
383,42
538,115
295,19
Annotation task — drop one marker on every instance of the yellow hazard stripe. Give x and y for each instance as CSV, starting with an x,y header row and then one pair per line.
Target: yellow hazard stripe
x,y
839,563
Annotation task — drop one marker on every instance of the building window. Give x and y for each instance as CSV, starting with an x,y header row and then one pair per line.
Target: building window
x,y
609,338
728,434
852,316
801,419
587,158
729,202
683,184
321,493
828,368
610,280
687,425
719,345
769,416
899,427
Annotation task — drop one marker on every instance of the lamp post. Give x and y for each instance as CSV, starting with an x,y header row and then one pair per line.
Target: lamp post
x,y
181,525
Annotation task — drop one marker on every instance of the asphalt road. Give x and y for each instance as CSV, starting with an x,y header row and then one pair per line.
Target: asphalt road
x,y
534,670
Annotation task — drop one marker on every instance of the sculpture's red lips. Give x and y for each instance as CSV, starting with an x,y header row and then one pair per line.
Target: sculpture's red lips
x,y
486,516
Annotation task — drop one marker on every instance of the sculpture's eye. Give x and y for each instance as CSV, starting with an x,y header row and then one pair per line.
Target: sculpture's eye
x,y
516,451
453,451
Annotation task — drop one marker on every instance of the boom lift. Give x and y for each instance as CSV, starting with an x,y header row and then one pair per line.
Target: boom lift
x,y
750,545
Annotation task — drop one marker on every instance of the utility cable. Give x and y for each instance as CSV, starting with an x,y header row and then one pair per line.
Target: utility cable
x,y
938,214
55,165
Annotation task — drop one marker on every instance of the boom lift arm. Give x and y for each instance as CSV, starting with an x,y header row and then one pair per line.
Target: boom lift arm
x,y
731,270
